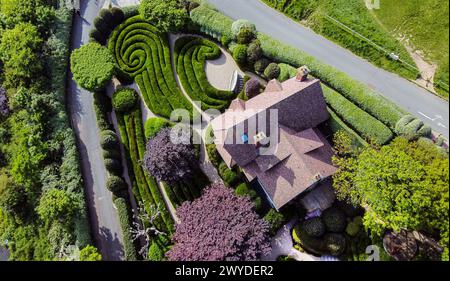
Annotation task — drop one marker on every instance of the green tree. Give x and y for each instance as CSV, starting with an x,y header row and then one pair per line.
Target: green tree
x,y
166,15
90,253
19,49
403,185
36,12
56,204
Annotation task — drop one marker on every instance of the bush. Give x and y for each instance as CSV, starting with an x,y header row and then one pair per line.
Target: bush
x,y
212,22
334,219
97,36
107,17
213,155
92,66
109,141
352,228
245,36
111,154
252,88
261,65
125,224
314,227
412,128
166,15
225,41
275,220
311,244
124,100
155,253
335,243
229,176
272,71
102,26
115,184
154,125
114,166
254,52
118,16
238,25
240,54
286,72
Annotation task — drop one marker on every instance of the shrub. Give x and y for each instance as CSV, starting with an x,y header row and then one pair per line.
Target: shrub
x,y
115,184
286,72
314,227
124,100
92,66
118,16
254,52
111,154
125,224
412,128
109,141
166,15
102,26
240,24
272,71
114,166
97,36
107,17
335,243
275,220
261,65
252,88
334,219
240,54
155,253
213,155
352,228
225,41
245,36
154,125
311,244
130,11
4,105
212,22
229,176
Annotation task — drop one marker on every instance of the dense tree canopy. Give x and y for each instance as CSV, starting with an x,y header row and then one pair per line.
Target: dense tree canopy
x,y
35,12
166,15
170,157
403,185
219,226
90,253
56,204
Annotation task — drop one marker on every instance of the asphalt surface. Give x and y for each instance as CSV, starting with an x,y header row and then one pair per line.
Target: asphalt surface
x,y
416,100
105,224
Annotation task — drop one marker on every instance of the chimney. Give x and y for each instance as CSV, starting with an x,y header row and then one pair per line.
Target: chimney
x,y
302,73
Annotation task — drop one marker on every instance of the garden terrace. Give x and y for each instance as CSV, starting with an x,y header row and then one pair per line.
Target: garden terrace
x,y
145,188
191,54
142,54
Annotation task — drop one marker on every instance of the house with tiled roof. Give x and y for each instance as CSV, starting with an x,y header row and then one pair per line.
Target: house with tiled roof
x,y
274,139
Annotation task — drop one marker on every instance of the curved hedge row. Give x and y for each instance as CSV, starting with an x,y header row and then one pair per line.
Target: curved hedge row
x,y
191,54
142,54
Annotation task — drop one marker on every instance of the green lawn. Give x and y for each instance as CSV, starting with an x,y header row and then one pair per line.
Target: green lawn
x,y
426,25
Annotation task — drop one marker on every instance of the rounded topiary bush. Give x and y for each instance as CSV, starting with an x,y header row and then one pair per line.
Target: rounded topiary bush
x,y
97,36
261,65
111,154
352,228
245,36
254,52
124,100
114,166
240,54
225,41
412,128
314,227
272,71
240,24
101,25
335,243
115,184
334,220
117,15
108,141
107,17
252,88
92,66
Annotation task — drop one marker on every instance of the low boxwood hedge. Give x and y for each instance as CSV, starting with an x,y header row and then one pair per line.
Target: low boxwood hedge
x,y
125,224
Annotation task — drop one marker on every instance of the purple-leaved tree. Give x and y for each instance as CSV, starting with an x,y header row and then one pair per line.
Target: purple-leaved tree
x,y
167,160
219,226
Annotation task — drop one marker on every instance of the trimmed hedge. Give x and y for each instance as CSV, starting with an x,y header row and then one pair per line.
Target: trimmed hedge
x,y
114,166
190,56
335,243
336,124
115,184
412,128
108,141
314,227
272,71
142,54
154,125
261,65
334,219
125,224
124,100
311,244
238,25
254,52
286,72
212,22
230,177
245,36
359,120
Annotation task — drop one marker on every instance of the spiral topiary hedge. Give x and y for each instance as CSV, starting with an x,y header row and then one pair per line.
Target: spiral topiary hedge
x,y
142,54
191,54
412,128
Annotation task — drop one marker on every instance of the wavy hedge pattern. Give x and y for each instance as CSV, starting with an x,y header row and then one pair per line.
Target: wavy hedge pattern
x,y
190,57
142,54
145,188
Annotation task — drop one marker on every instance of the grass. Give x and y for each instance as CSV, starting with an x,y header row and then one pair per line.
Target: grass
x,y
142,54
190,55
354,14
425,25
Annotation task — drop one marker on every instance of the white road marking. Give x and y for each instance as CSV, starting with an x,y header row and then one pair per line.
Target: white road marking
x,y
441,125
428,117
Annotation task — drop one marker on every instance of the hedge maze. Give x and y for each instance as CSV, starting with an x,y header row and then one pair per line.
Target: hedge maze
x,y
142,54
190,57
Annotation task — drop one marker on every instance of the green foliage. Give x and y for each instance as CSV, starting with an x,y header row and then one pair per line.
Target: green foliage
x,y
154,125
148,62
254,52
115,184
272,71
158,248
314,227
359,120
166,15
19,53
311,244
334,220
35,12
404,186
354,226
114,166
240,54
124,100
275,220
92,66
213,155
90,253
56,204
241,24
286,72
335,243
245,36
13,198
229,176
212,22
412,128
225,41
337,125
261,65
191,54
108,140
125,224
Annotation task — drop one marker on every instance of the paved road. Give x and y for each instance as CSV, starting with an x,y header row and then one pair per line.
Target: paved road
x,y
418,101
104,219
